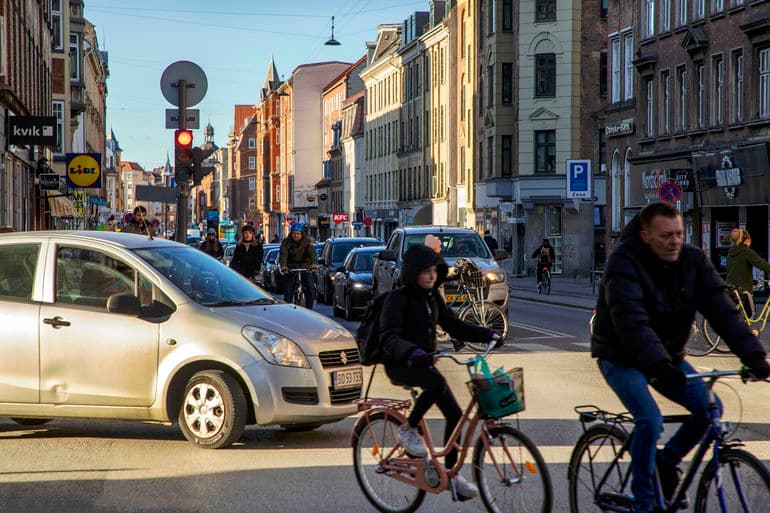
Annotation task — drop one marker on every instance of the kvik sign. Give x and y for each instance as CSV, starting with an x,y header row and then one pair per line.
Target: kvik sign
x,y
29,130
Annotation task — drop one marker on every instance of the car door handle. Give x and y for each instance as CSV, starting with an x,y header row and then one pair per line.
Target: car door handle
x,y
57,322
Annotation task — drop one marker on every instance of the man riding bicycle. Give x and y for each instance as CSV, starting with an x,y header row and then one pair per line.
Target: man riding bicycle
x,y
544,256
652,286
297,252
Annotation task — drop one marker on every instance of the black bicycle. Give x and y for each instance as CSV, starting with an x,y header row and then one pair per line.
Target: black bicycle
x,y
544,287
299,297
599,472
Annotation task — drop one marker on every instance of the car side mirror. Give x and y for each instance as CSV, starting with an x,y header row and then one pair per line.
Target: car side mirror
x,y
390,256
501,254
127,304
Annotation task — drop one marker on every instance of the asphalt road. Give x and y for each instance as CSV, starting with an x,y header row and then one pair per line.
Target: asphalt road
x,y
76,466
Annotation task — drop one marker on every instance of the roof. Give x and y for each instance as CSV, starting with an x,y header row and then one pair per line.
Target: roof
x,y
126,165
243,112
347,71
426,229
116,239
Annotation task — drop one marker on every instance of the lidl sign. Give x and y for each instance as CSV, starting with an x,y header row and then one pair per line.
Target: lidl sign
x,y
84,170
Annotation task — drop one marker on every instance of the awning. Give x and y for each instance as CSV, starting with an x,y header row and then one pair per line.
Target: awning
x,y
61,206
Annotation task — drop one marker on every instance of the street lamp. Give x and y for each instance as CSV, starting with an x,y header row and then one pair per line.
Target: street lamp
x,y
332,41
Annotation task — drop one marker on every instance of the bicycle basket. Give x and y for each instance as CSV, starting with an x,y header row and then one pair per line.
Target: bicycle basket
x,y
471,276
500,395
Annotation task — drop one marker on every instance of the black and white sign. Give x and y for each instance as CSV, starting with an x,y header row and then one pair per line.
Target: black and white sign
x,y
684,179
40,130
48,181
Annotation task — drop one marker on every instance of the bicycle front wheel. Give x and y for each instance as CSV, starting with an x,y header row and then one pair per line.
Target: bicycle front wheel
x,y
700,342
593,460
745,484
719,345
372,441
510,472
487,315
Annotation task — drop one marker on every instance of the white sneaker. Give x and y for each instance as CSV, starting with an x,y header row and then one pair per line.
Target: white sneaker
x,y
409,439
464,488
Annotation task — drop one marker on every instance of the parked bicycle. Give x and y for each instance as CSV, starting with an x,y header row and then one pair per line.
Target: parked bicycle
x,y
704,340
470,305
544,287
507,466
599,472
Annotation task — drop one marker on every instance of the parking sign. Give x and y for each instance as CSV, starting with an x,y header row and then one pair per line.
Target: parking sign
x,y
579,179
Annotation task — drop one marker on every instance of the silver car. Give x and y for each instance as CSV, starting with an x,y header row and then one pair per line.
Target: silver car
x,y
107,325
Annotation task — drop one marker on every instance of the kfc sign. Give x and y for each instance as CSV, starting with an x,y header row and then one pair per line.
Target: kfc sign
x,y
340,218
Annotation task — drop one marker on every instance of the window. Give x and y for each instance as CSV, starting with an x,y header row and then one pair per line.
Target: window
x,y
17,275
507,88
545,75
545,10
58,112
649,18
764,83
87,277
56,21
603,74
506,150
74,57
700,9
665,80
490,156
252,183
491,85
491,13
719,6
252,162
717,98
545,151
252,143
682,82
650,125
738,87
603,9
615,83
682,12
507,15
628,75
665,15
699,70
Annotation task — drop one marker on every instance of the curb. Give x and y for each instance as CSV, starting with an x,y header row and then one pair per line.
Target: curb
x,y
571,300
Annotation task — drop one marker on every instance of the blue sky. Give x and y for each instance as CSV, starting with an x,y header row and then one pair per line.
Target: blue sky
x,y
232,40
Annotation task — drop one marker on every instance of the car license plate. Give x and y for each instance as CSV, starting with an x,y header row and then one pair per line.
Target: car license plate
x,y
454,297
348,378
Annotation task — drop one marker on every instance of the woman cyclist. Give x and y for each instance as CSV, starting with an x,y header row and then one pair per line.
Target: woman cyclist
x,y
741,260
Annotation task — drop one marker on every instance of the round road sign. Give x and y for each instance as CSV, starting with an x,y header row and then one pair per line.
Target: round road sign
x,y
83,170
669,191
197,84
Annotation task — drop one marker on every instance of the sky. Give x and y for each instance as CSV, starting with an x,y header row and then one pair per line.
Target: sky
x,y
232,41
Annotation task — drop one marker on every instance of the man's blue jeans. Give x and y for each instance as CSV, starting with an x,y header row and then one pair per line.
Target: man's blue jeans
x,y
631,387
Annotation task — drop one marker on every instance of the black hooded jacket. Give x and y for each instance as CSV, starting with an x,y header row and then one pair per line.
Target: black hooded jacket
x,y
410,313
646,306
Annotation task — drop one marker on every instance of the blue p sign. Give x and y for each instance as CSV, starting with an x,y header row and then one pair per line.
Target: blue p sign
x,y
579,179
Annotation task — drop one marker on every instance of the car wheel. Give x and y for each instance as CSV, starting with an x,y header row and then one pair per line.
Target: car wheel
x,y
213,412
30,422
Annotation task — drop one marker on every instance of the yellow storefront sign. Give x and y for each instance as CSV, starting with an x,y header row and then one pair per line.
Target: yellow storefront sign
x,y
84,170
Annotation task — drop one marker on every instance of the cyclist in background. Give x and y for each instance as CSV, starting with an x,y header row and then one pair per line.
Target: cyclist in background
x,y
544,256
297,252
741,260
653,285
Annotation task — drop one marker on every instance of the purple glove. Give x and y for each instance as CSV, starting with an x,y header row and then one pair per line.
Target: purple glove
x,y
495,335
419,358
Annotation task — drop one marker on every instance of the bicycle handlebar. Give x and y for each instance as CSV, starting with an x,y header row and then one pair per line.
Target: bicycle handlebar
x,y
745,374
468,361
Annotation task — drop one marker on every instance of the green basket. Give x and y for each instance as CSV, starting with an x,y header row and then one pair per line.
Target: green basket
x,y
500,396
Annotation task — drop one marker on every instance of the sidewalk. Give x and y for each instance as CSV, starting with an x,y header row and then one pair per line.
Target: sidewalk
x,y
564,291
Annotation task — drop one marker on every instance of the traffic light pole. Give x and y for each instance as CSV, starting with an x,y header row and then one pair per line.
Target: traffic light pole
x,y
183,186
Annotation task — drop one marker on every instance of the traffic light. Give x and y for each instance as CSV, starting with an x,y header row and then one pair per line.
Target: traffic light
x,y
183,154
198,169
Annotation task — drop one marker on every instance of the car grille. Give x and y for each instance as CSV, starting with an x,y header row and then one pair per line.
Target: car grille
x,y
344,396
334,358
300,395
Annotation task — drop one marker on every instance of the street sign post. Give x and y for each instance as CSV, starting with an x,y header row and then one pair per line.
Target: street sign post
x,y
579,179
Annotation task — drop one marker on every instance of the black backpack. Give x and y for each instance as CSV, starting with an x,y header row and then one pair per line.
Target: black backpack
x,y
368,333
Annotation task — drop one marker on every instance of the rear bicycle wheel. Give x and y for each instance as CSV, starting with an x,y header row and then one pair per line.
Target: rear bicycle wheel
x,y
510,472
700,343
487,315
547,282
592,459
745,484
372,441
720,346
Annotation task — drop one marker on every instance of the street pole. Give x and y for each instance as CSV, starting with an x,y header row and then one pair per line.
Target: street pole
x,y
183,186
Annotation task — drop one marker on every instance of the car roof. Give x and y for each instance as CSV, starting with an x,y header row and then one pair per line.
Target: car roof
x,y
353,239
367,249
117,239
435,229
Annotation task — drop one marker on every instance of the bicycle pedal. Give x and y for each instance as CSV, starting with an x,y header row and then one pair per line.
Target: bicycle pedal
x,y
614,500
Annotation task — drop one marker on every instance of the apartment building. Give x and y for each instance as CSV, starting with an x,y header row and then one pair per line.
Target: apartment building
x,y
243,165
702,92
25,90
353,162
382,82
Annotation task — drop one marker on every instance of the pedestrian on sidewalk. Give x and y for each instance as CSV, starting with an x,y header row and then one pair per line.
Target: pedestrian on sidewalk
x,y
491,241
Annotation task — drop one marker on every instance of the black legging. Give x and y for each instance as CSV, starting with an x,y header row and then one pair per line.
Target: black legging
x,y
435,390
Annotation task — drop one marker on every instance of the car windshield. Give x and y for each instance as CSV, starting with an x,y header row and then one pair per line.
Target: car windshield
x,y
455,245
340,251
363,261
204,279
271,255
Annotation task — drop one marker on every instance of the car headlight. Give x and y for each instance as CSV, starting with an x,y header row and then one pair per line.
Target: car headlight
x,y
495,277
358,285
274,348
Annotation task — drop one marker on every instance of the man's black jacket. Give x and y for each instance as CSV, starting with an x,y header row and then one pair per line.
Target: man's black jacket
x,y
646,306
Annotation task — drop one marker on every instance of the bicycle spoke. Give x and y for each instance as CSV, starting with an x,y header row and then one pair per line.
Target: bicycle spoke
x,y
745,484
592,464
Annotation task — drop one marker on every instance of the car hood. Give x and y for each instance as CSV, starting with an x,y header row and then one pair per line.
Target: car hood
x,y
364,277
309,329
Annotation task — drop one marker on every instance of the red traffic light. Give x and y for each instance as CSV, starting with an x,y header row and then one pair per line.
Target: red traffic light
x,y
183,152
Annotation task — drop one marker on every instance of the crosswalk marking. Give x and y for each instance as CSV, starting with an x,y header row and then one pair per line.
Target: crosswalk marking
x,y
532,347
542,331
586,345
